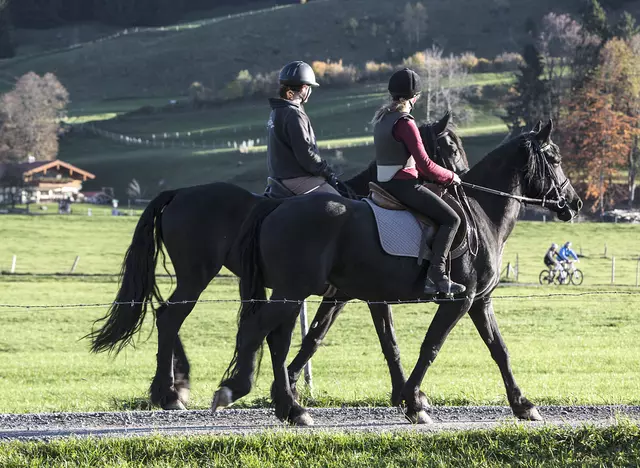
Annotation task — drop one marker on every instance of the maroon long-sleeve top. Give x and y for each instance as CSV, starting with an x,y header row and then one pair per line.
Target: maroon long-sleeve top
x,y
406,131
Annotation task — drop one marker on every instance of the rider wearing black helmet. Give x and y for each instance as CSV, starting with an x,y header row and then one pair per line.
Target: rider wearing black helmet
x,y
403,161
292,152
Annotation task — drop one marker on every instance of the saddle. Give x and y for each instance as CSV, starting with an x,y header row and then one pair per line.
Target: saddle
x,y
385,200
276,189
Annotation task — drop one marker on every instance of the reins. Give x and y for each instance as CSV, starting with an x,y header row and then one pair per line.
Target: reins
x,y
559,203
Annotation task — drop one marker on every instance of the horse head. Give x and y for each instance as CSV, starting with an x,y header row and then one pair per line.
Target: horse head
x,y
544,178
444,145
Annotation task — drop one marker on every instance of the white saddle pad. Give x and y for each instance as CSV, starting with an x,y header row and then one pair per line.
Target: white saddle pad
x,y
399,231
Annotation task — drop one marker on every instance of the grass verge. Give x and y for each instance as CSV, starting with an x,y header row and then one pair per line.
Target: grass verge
x,y
511,445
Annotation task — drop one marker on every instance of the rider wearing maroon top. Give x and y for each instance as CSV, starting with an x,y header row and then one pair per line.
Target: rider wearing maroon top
x,y
403,162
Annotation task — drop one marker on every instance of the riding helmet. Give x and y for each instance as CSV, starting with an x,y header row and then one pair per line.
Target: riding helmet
x,y
405,84
297,74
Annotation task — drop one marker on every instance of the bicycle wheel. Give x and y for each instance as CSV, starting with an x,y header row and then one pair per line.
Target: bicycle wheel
x,y
544,277
577,277
561,280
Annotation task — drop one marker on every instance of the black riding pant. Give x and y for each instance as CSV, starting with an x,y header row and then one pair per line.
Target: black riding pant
x,y
418,198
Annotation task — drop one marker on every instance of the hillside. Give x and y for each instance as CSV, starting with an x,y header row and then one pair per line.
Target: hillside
x,y
165,61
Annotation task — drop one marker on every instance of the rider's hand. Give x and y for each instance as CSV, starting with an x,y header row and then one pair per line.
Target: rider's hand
x,y
456,179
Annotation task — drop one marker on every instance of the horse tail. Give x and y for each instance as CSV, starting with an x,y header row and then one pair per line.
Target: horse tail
x,y
252,283
138,286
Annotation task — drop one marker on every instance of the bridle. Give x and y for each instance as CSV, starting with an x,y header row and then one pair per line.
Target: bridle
x,y
556,188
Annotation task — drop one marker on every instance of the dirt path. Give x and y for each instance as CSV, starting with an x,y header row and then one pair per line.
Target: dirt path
x,y
135,423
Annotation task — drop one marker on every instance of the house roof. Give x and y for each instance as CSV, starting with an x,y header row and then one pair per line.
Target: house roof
x,y
31,168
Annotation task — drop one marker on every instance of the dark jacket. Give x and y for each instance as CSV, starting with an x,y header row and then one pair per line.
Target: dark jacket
x,y
550,258
292,150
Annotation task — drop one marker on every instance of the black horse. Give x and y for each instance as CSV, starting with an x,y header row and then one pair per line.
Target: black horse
x,y
199,227
297,245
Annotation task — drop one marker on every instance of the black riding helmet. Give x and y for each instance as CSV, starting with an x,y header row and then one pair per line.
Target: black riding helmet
x,y
297,74
405,84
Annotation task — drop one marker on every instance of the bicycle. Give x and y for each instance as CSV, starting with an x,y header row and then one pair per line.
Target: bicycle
x,y
568,274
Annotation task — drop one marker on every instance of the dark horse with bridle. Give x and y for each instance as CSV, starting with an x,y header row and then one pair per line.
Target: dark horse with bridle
x,y
199,242
297,245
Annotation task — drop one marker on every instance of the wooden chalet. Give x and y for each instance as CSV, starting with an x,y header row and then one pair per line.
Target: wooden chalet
x,y
40,181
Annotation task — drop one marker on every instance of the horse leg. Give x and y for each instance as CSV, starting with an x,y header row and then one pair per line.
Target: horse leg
x,y
181,369
448,314
325,316
484,319
383,321
169,319
279,341
256,322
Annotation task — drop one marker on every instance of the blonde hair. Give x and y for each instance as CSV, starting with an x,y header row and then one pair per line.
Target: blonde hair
x,y
394,105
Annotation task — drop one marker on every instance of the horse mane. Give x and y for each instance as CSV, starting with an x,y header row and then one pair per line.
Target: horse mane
x,y
452,130
535,167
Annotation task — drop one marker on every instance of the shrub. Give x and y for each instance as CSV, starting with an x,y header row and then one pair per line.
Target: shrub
x,y
377,71
417,61
484,65
507,61
335,73
469,61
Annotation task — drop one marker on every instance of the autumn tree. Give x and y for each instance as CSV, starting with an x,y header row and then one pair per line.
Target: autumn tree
x,y
444,81
599,127
30,117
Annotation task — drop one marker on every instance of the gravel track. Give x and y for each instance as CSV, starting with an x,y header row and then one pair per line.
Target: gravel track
x,y
47,426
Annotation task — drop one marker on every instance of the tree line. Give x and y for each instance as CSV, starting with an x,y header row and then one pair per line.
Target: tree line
x,y
584,73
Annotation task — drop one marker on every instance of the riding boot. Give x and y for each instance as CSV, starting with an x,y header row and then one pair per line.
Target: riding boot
x,y
437,279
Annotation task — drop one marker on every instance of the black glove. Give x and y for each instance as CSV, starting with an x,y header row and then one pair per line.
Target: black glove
x,y
332,180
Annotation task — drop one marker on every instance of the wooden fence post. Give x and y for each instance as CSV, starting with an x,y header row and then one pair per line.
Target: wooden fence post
x,y
605,251
75,263
517,267
613,270
638,273
308,378
13,264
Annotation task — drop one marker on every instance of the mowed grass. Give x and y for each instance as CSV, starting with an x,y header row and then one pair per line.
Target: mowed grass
x,y
578,349
510,445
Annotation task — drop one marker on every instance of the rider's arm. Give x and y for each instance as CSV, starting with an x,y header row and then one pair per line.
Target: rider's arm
x,y
303,144
406,131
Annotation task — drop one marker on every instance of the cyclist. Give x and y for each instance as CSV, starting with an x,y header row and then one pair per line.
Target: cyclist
x,y
551,260
565,254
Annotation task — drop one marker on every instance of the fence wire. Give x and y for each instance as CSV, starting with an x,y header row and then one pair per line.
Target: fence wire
x,y
314,301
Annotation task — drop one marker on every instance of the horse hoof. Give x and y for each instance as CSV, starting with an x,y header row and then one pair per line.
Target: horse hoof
x,y
421,417
221,399
303,420
175,405
183,395
530,414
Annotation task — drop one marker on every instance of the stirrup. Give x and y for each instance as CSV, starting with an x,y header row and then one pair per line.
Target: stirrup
x,y
443,286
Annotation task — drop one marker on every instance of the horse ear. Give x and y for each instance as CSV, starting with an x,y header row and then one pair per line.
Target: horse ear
x,y
537,127
544,135
442,124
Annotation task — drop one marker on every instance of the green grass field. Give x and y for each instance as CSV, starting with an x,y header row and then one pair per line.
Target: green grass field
x,y
507,446
564,349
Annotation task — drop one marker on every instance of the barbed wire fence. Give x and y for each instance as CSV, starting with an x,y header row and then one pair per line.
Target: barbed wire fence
x,y
320,300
